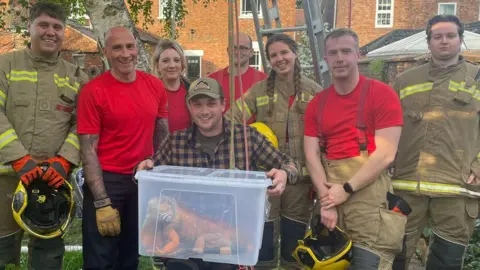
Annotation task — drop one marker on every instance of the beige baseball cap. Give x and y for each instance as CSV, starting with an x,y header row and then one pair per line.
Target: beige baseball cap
x,y
205,86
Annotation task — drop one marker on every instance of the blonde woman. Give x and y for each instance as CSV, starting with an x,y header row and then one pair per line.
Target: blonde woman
x,y
169,64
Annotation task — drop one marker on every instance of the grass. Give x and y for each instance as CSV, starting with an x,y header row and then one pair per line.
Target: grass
x,y
73,259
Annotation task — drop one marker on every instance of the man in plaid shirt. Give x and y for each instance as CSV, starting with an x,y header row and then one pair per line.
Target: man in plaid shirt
x,y
207,144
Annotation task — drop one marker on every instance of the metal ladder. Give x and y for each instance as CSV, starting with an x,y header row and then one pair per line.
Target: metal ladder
x,y
313,26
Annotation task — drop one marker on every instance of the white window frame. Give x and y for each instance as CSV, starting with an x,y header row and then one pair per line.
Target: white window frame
x,y
448,3
248,15
198,53
392,12
161,4
256,49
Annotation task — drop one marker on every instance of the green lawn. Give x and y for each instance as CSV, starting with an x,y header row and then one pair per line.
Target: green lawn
x,y
73,259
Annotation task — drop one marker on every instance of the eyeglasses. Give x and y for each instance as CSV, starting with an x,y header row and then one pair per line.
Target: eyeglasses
x,y
241,48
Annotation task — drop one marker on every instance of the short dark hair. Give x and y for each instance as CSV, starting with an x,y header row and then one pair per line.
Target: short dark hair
x,y
443,18
340,32
50,9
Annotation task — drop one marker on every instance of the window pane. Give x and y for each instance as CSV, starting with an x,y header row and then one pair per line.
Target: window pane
x,y
447,9
247,7
255,60
193,71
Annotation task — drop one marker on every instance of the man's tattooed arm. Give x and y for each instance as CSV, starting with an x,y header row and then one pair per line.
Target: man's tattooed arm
x,y
160,133
91,166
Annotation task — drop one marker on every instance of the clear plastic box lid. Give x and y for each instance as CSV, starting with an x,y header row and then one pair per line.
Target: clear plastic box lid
x,y
206,176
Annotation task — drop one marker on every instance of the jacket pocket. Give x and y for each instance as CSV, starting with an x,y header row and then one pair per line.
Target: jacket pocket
x,y
66,100
392,230
472,207
464,91
414,116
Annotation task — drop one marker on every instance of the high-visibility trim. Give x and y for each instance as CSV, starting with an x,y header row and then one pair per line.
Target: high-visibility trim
x,y
303,98
7,137
64,82
3,98
414,89
404,185
407,185
73,140
304,171
248,113
460,86
264,100
478,155
6,169
22,75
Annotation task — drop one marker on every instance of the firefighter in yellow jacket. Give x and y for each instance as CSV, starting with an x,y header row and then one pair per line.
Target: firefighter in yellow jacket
x,y
280,102
437,168
37,125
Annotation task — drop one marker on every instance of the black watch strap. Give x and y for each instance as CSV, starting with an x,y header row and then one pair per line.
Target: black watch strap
x,y
348,188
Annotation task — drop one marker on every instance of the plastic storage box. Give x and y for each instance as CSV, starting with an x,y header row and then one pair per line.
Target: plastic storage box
x,y
213,214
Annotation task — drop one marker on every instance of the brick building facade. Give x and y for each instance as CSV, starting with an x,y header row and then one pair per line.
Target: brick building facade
x,y
205,32
374,18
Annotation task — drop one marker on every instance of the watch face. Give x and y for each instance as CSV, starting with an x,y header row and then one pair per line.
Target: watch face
x,y
348,188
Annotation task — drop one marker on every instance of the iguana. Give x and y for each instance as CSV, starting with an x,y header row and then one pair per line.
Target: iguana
x,y
170,229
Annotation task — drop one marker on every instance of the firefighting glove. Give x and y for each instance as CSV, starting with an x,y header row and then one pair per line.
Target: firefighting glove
x,y
57,171
108,221
27,169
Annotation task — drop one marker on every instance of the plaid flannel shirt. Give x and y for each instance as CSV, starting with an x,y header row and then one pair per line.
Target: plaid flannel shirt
x,y
181,149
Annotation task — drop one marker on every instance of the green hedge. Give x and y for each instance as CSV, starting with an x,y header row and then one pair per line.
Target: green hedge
x,y
472,258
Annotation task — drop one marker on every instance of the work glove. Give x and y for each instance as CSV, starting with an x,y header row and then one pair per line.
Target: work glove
x,y
57,171
108,221
27,169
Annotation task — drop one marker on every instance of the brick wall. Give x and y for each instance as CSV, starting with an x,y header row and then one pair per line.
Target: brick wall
x,y
90,60
407,14
207,29
394,66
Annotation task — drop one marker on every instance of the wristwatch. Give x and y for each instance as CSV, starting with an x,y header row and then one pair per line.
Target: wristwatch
x,y
348,188
102,202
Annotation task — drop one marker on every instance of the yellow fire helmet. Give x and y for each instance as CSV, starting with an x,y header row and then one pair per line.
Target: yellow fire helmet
x,y
267,132
42,211
322,249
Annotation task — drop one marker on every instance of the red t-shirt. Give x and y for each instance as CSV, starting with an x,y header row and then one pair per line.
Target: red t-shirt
x,y
123,114
249,78
178,114
382,110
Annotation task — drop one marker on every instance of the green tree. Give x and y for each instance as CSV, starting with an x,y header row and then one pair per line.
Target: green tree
x,y
105,14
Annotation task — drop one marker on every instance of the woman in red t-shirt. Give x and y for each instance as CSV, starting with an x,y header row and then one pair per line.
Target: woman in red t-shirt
x,y
169,63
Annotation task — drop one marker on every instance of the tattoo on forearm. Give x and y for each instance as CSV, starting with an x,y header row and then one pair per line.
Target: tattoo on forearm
x,y
160,133
91,166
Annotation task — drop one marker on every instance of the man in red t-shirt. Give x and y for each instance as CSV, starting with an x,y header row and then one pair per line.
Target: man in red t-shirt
x,y
352,131
247,75
122,116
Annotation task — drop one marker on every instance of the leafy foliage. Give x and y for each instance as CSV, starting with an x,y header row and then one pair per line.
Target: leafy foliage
x,y
377,68
305,55
472,257
174,12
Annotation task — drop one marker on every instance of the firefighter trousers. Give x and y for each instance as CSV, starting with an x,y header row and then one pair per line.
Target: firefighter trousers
x,y
288,219
452,220
376,232
112,252
42,253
